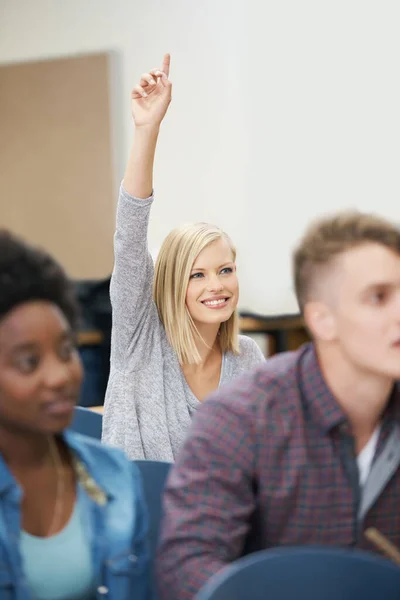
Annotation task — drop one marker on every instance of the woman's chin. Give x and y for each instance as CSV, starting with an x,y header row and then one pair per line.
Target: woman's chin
x,y
214,319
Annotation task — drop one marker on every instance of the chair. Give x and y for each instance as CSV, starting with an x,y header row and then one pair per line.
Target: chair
x,y
306,573
87,422
154,475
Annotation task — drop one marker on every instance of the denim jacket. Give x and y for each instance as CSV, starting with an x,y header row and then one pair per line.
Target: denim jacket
x,y
109,491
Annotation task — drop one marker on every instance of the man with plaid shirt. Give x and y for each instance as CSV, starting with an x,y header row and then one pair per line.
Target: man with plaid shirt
x,y
306,449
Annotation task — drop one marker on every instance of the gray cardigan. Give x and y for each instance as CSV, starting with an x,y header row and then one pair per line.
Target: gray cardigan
x,y
148,405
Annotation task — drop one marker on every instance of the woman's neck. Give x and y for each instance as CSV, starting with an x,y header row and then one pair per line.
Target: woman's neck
x,y
22,449
207,342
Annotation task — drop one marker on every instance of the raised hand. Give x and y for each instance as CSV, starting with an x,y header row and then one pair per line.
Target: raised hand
x,y
151,98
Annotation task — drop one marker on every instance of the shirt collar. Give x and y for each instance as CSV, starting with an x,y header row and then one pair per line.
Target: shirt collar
x,y
93,474
94,480
316,394
320,400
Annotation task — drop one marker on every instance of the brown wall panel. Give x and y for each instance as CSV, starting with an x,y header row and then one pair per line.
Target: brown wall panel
x,y
56,180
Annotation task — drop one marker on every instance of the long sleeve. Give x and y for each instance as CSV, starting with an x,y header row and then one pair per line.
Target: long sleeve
x,y
133,312
209,498
135,326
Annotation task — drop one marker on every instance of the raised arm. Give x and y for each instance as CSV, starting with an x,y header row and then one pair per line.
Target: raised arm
x,y
131,284
150,101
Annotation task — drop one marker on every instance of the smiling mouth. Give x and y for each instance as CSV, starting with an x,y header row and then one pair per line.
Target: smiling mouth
x,y
216,303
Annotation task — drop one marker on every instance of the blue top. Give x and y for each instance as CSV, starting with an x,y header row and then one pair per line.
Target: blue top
x,y
113,524
59,567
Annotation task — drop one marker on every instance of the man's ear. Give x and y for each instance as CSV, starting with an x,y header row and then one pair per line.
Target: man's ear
x,y
320,320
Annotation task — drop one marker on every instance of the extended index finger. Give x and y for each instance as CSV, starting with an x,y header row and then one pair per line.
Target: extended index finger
x,y
165,64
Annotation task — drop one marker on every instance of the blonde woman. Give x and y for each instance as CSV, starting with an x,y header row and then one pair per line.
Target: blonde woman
x,y
175,330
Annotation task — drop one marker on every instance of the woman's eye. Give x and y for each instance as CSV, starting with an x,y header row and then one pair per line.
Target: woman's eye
x,y
67,350
196,276
227,270
27,364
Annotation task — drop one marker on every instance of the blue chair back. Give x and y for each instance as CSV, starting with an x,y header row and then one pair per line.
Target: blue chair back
x,y
154,475
87,422
305,574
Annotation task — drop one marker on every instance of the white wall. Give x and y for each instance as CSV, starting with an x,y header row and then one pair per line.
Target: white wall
x,y
281,111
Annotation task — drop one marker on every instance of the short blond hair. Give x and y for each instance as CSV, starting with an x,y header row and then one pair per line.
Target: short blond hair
x,y
171,278
326,238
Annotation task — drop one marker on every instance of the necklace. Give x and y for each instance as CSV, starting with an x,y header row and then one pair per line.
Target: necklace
x,y
58,506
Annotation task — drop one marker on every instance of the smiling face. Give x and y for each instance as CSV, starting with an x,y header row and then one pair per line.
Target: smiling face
x,y
40,369
213,290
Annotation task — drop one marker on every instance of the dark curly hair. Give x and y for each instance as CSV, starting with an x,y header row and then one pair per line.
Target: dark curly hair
x,y
28,273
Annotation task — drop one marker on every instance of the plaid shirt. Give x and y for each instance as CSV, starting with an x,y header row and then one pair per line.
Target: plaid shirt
x,y
273,448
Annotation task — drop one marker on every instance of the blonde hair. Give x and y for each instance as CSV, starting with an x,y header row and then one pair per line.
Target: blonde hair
x,y
171,278
327,238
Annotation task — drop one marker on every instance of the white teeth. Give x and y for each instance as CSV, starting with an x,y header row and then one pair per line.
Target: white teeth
x,y
215,302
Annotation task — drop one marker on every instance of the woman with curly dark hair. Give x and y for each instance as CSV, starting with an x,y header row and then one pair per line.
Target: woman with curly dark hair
x,y
72,518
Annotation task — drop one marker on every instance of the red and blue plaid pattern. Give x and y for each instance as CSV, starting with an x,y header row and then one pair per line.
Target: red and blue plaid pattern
x,y
270,443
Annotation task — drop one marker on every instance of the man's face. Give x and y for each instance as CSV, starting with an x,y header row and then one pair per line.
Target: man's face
x,y
362,297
